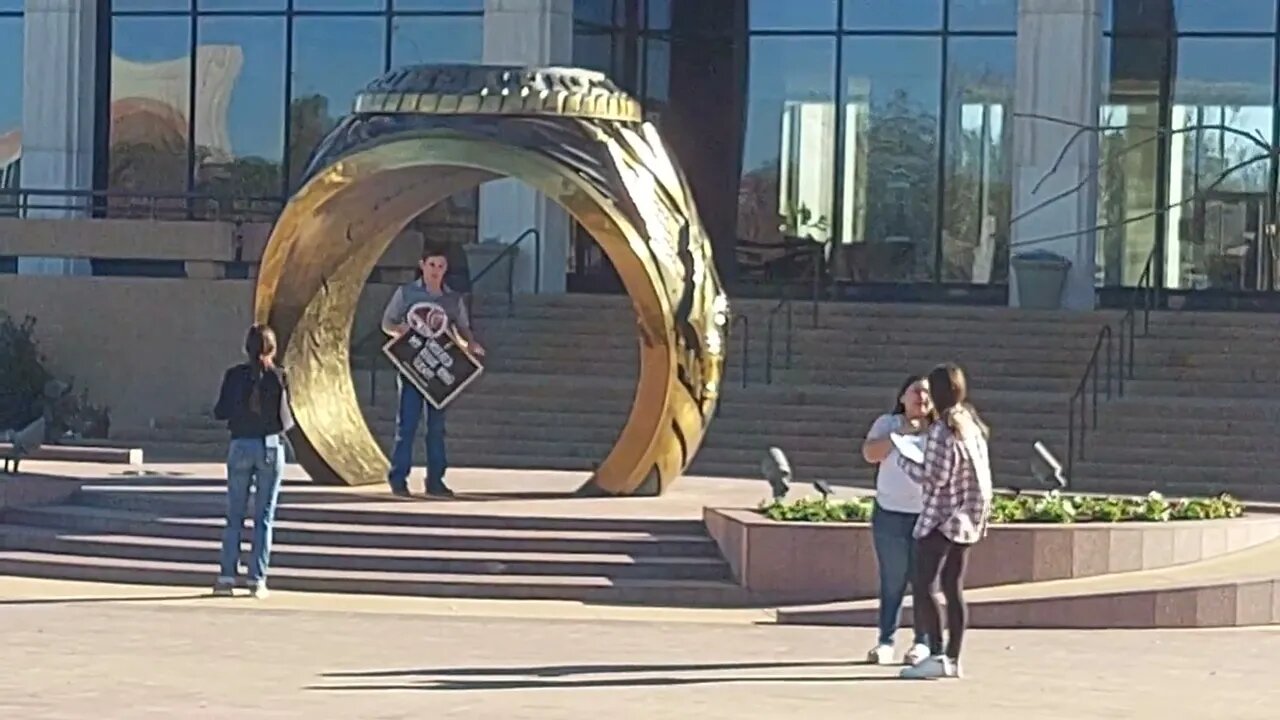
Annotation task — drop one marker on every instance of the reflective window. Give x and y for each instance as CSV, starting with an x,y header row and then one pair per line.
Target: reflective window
x,y
239,106
890,90
427,39
1224,15
442,5
792,15
10,100
893,14
978,179
786,195
351,5
240,5
150,104
1128,157
333,57
150,5
1219,164
989,15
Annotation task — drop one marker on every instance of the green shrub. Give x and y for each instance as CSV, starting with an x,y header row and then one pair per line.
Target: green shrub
x,y
1053,507
28,389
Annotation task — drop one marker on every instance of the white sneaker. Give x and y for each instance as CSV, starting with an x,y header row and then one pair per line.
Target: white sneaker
x,y
880,655
916,654
931,668
260,591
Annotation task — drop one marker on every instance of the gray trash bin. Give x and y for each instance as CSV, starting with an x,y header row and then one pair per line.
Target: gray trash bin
x,y
1041,276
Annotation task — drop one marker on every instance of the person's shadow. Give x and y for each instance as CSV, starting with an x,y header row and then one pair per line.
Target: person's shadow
x,y
564,676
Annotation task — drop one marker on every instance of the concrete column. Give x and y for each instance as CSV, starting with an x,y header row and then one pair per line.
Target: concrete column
x,y
1059,77
58,111
528,32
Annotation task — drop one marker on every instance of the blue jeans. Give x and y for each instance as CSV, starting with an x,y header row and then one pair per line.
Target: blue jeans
x,y
891,532
257,465
407,419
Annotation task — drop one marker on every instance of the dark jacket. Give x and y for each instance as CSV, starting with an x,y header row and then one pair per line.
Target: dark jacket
x,y
272,415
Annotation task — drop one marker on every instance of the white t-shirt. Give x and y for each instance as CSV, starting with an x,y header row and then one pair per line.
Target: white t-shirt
x,y
895,491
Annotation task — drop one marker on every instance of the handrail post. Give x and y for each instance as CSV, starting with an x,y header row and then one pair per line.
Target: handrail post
x,y
768,351
790,331
511,279
1071,436
817,279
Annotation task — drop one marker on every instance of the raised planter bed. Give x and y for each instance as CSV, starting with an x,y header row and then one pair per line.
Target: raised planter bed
x,y
815,562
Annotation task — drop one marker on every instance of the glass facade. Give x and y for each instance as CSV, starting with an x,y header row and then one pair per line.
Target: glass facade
x,y
11,45
229,97
868,141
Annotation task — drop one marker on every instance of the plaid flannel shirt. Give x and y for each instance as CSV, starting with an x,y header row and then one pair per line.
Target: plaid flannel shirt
x,y
956,476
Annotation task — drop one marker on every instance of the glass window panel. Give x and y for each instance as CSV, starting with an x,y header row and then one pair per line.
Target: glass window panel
x,y
890,93
445,39
417,40
893,14
993,15
11,6
439,5
333,57
1225,15
239,5
150,104
786,192
593,12
1128,157
593,49
150,5
239,130
10,101
1221,97
658,14
354,5
657,60
978,185
792,15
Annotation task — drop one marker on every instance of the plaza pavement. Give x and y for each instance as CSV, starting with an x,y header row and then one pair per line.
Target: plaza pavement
x,y
89,651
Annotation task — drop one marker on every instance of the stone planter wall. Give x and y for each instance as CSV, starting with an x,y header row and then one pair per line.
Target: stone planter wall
x,y
823,562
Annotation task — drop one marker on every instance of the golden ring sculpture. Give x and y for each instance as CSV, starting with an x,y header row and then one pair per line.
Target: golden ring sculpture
x,y
423,133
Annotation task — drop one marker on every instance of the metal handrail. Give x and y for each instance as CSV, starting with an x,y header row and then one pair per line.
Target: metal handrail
x,y
1146,297
784,303
1080,395
746,343
508,253
22,202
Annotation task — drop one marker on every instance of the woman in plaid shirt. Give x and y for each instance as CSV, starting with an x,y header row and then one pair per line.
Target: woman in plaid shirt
x,y
956,478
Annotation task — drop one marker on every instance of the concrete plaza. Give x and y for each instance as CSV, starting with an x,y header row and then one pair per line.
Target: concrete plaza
x,y
72,650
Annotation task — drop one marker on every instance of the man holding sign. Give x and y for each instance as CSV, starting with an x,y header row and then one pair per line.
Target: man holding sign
x,y
436,354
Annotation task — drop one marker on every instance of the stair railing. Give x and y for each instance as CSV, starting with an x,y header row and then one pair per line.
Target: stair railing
x,y
1082,408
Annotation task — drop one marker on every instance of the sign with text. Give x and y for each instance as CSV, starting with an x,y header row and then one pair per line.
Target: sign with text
x,y
440,366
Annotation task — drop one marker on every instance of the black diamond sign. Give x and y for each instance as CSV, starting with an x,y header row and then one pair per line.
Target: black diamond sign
x,y
440,367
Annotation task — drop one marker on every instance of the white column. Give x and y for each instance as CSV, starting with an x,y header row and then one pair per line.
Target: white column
x,y
60,43
534,33
1058,77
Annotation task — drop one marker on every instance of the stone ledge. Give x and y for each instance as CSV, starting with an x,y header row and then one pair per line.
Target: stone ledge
x,y
824,562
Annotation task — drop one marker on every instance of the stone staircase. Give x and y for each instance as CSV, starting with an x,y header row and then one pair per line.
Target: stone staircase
x,y
1200,416
165,531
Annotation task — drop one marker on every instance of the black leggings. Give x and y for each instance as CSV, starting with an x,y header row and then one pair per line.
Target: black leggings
x,y
933,553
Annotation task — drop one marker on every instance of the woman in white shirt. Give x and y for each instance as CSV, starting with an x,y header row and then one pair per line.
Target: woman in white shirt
x,y
899,501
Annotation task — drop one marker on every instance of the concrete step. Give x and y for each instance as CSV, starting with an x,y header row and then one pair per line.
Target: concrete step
x,y
420,538
26,563
79,453
382,560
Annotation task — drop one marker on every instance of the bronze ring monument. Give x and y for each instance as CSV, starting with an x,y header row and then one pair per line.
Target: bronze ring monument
x,y
421,134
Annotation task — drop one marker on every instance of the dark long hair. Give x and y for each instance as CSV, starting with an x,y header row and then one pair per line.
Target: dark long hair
x,y
898,407
260,348
949,389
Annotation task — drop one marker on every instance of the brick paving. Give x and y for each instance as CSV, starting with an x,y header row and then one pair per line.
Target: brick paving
x,y
124,656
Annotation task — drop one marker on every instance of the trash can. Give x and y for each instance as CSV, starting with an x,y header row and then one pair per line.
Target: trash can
x,y
1041,277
